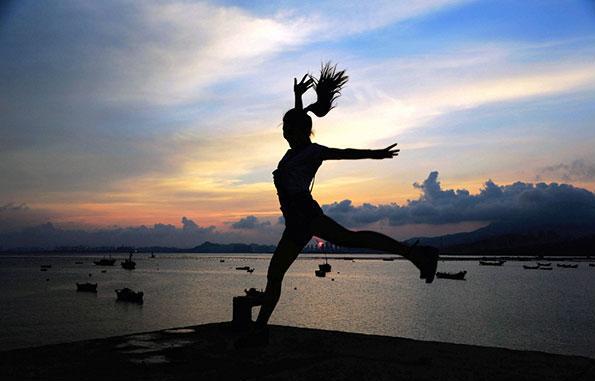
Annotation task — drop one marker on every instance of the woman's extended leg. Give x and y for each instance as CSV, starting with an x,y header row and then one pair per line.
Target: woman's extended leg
x,y
285,253
425,258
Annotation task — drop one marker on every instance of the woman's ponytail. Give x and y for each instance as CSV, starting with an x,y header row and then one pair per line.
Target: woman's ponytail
x,y
328,88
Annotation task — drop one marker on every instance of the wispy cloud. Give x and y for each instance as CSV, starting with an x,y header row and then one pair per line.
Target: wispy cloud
x,y
577,170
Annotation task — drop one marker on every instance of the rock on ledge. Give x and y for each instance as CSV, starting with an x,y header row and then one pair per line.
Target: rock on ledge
x,y
206,352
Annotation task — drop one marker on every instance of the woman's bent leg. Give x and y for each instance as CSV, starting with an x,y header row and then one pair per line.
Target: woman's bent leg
x,y
424,258
327,229
285,254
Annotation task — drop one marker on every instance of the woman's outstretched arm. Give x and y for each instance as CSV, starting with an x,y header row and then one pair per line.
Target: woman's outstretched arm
x,y
355,154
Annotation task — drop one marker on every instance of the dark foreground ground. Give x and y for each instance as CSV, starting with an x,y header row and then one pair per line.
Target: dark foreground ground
x,y
206,353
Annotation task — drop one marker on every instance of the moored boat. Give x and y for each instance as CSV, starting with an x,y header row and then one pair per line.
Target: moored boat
x,y
567,266
128,264
456,276
326,267
105,261
127,295
86,287
529,267
492,263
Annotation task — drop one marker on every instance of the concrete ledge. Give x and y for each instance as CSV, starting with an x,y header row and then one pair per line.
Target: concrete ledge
x,y
206,352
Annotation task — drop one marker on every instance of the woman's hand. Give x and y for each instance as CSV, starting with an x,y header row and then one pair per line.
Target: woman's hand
x,y
386,153
303,86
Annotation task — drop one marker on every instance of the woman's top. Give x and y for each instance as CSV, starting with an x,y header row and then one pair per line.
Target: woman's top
x,y
296,170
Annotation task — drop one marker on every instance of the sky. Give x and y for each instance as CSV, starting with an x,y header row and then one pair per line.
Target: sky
x,y
164,117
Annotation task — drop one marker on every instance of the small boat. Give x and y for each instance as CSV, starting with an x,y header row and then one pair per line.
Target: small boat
x,y
544,268
492,263
222,260
326,267
128,264
105,262
320,273
457,276
567,266
86,287
46,266
127,295
544,264
245,268
529,267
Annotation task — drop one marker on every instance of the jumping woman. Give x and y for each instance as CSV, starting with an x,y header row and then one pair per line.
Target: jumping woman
x,y
303,216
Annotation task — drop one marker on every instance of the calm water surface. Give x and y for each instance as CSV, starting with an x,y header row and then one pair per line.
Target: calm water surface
x,y
506,306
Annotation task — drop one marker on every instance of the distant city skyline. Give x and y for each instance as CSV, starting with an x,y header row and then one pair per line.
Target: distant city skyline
x,y
167,114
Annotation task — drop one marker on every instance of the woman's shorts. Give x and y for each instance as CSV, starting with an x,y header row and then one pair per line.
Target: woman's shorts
x,y
299,211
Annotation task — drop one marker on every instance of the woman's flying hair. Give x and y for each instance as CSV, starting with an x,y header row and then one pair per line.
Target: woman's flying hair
x,y
328,88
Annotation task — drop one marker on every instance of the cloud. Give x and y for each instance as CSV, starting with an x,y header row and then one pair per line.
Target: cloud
x,y
519,204
396,95
17,216
125,105
21,226
535,204
48,235
577,170
250,223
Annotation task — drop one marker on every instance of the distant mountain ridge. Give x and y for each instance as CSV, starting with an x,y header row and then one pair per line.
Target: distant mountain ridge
x,y
495,238
502,238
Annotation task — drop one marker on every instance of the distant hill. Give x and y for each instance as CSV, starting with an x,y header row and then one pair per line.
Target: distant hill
x,y
514,239
210,247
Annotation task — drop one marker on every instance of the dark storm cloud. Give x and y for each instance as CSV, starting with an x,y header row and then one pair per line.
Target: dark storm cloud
x,y
578,170
518,202
250,223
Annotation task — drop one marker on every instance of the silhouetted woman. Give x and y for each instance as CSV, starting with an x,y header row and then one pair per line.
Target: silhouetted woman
x,y
303,216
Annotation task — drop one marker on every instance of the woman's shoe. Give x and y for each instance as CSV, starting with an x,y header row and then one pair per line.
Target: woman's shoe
x,y
426,260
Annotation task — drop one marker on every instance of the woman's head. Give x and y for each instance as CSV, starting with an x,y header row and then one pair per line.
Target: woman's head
x,y
297,124
297,127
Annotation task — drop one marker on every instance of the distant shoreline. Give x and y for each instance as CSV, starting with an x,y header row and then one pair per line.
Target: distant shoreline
x,y
321,256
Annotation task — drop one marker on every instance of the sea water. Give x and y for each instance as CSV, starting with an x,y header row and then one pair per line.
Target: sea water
x,y
507,306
